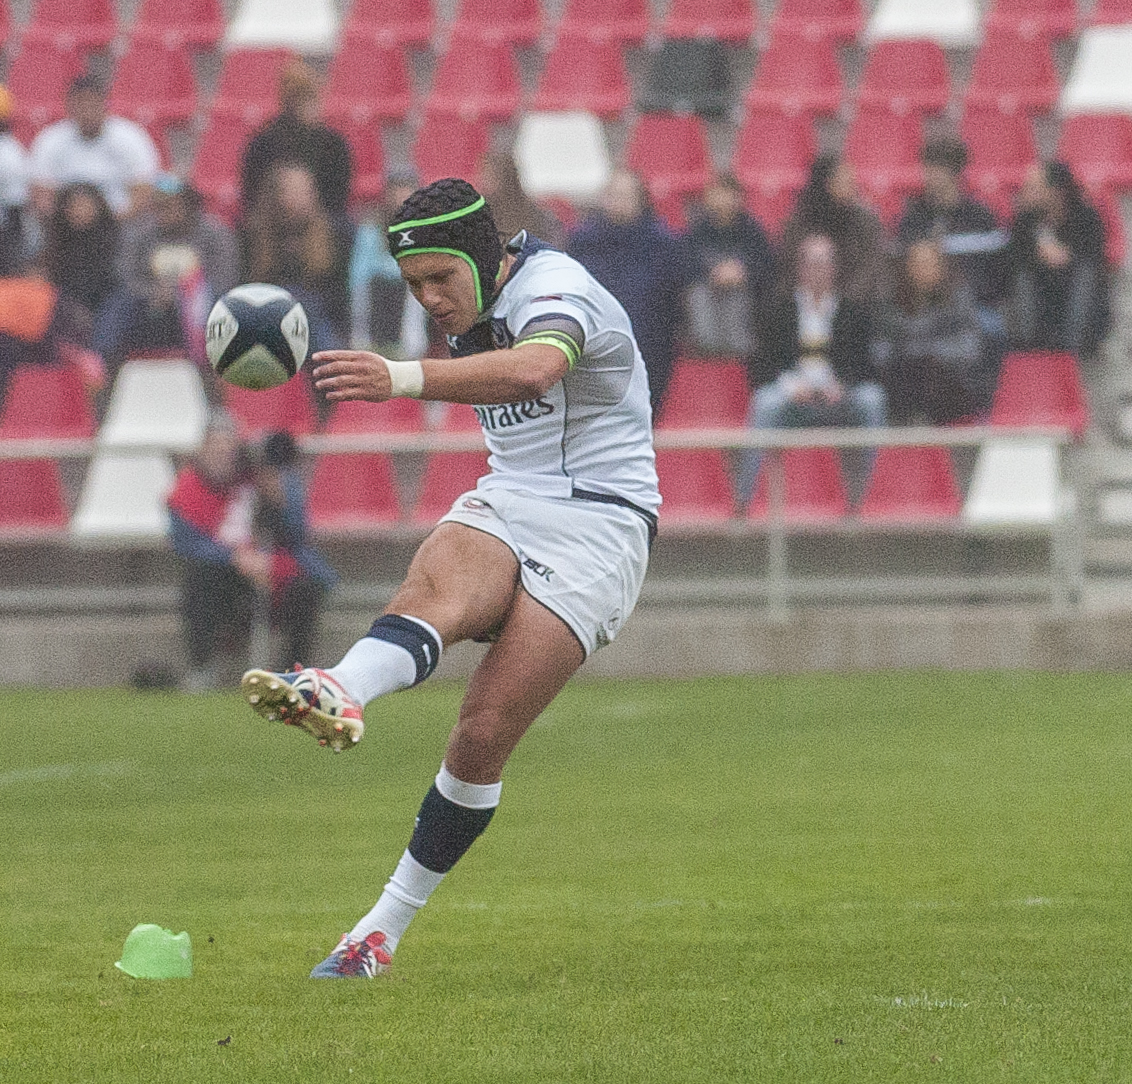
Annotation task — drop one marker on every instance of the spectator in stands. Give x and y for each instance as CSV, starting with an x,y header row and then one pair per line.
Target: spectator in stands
x,y
828,205
1056,258
14,241
175,260
732,264
965,229
112,153
291,240
298,136
643,264
511,207
81,249
239,528
384,312
814,365
300,575
929,344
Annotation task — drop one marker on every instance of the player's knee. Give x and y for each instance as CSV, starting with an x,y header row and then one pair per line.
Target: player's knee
x,y
484,734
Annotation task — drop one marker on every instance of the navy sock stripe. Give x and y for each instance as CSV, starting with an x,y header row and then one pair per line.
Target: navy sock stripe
x,y
414,638
445,831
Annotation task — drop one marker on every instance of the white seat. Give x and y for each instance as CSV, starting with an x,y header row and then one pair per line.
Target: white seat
x,y
1099,81
307,26
1015,482
562,154
124,496
954,23
158,403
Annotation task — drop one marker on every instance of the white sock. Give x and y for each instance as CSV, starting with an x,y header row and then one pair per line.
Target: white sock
x,y
406,893
372,667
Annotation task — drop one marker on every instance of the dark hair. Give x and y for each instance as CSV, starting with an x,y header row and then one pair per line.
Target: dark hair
x,y
950,154
81,262
87,82
279,450
907,296
817,208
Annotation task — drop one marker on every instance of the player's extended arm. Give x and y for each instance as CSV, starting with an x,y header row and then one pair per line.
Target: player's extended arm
x,y
524,372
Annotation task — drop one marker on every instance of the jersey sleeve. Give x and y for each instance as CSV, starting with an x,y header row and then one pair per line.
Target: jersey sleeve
x,y
554,311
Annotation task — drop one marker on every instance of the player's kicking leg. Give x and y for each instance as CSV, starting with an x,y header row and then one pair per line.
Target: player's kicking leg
x,y
460,584
523,671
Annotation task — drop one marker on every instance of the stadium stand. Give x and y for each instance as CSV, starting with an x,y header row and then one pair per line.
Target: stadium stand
x,y
1040,388
392,23
1034,18
216,167
156,404
799,75
708,393
475,79
248,85
1012,72
1015,484
813,492
670,152
695,487
911,485
954,25
1001,148
688,75
832,20
517,22
562,156
123,497
733,21
364,139
906,76
31,499
154,84
773,154
46,401
307,26
1098,148
625,21
447,146
80,24
38,78
288,407
1098,81
582,74
884,149
196,24
367,83
1111,13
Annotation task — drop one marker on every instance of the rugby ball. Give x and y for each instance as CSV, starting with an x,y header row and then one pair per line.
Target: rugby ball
x,y
257,336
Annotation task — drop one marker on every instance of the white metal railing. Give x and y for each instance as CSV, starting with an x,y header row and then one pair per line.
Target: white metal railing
x,y
1066,566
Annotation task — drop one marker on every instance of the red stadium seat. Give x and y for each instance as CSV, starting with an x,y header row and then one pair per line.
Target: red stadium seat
x,y
906,76
797,75
910,485
357,491
288,407
1040,388
1098,148
584,74
38,79
1034,18
772,208
815,491
46,401
670,152
6,30
198,24
78,24
518,22
31,497
367,82
1111,13
248,86
154,85
834,20
695,487
1012,73
774,151
448,474
884,150
475,79
625,21
1001,149
392,22
450,147
216,168
364,139
724,20
709,394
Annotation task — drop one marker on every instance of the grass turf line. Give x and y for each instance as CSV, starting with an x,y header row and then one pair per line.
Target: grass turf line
x,y
810,879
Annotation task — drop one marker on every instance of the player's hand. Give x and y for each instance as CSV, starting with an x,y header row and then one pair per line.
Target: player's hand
x,y
352,374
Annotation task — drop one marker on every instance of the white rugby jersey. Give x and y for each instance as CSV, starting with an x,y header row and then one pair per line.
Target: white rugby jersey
x,y
592,431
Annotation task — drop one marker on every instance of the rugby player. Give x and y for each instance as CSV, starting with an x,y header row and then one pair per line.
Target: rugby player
x,y
544,559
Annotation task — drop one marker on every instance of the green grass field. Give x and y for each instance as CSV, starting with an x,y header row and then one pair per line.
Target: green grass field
x,y
810,879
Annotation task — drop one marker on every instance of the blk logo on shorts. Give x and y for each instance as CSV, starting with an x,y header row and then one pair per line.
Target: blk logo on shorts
x,y
542,571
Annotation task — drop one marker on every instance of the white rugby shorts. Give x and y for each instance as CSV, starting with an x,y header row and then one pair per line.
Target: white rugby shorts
x,y
583,561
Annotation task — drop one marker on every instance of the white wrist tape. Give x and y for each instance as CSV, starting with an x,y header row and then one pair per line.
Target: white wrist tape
x,y
406,378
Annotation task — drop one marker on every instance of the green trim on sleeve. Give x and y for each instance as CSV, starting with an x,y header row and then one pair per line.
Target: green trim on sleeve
x,y
558,339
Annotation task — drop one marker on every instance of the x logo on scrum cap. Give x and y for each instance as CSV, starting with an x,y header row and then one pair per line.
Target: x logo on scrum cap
x,y
405,239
